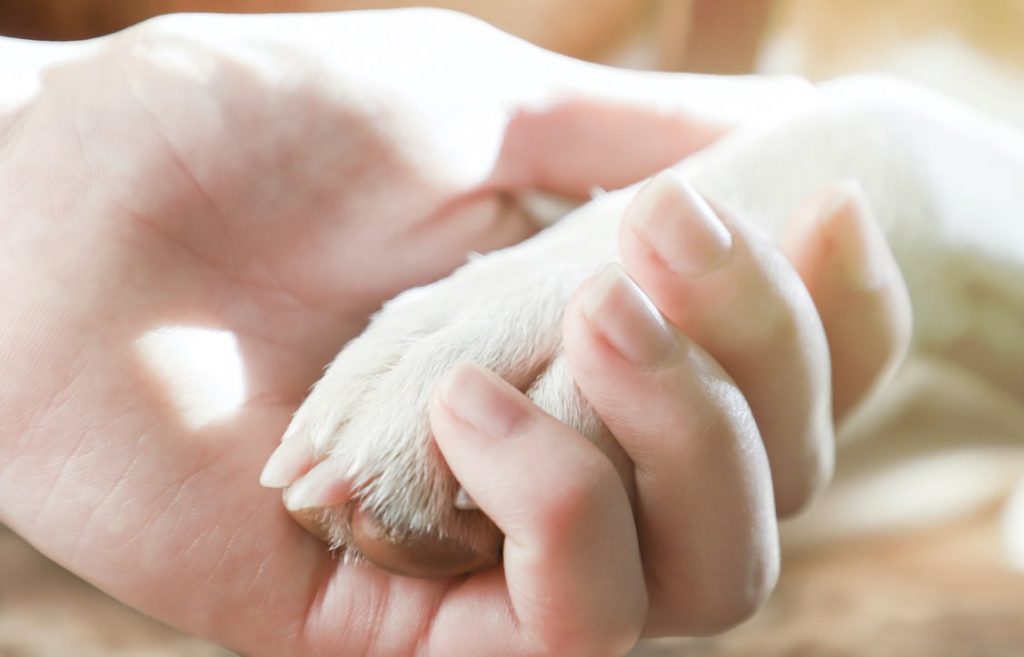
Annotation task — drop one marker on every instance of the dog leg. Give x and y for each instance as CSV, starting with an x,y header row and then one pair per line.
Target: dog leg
x,y
947,186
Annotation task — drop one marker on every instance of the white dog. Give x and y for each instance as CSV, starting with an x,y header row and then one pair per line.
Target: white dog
x,y
947,185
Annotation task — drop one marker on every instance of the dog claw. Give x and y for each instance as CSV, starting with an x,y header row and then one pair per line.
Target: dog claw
x,y
320,488
290,460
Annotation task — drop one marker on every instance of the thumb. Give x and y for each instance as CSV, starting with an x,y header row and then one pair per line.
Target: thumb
x,y
580,143
603,127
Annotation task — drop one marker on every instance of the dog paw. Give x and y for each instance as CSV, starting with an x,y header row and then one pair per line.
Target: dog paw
x,y
358,463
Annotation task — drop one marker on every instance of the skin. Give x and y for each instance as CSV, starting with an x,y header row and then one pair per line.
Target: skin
x,y
240,174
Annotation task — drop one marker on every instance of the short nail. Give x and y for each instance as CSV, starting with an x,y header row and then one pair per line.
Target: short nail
x,y
484,401
679,226
290,460
860,245
619,310
323,486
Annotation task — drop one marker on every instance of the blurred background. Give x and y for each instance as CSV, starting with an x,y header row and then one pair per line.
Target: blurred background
x,y
719,36
590,29
971,49
884,588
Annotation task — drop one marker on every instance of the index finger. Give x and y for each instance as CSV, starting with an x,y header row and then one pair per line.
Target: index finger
x,y
573,583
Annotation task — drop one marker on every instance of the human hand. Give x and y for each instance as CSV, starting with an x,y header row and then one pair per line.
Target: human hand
x,y
725,423
270,180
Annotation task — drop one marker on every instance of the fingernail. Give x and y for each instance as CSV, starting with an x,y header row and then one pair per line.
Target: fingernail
x,y
484,401
290,460
679,226
464,502
620,311
323,486
860,245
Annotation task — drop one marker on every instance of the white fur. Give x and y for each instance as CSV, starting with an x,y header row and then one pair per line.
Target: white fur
x,y
947,186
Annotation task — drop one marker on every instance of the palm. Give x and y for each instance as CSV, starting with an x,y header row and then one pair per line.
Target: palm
x,y
216,225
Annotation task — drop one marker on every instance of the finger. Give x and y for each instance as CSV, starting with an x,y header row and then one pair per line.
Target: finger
x,y
577,144
705,513
737,296
571,560
725,101
842,255
607,127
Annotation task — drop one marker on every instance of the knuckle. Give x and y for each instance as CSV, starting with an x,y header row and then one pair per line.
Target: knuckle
x,y
725,607
789,314
781,308
794,493
583,491
729,417
804,470
720,618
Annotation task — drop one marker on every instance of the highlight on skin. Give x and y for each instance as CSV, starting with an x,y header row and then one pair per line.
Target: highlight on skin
x,y
201,371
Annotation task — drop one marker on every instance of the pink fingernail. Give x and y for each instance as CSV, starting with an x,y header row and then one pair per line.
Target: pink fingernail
x,y
620,311
674,221
486,402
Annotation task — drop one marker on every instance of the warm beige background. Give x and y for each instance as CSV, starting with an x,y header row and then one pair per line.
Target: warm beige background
x,y
589,29
939,593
